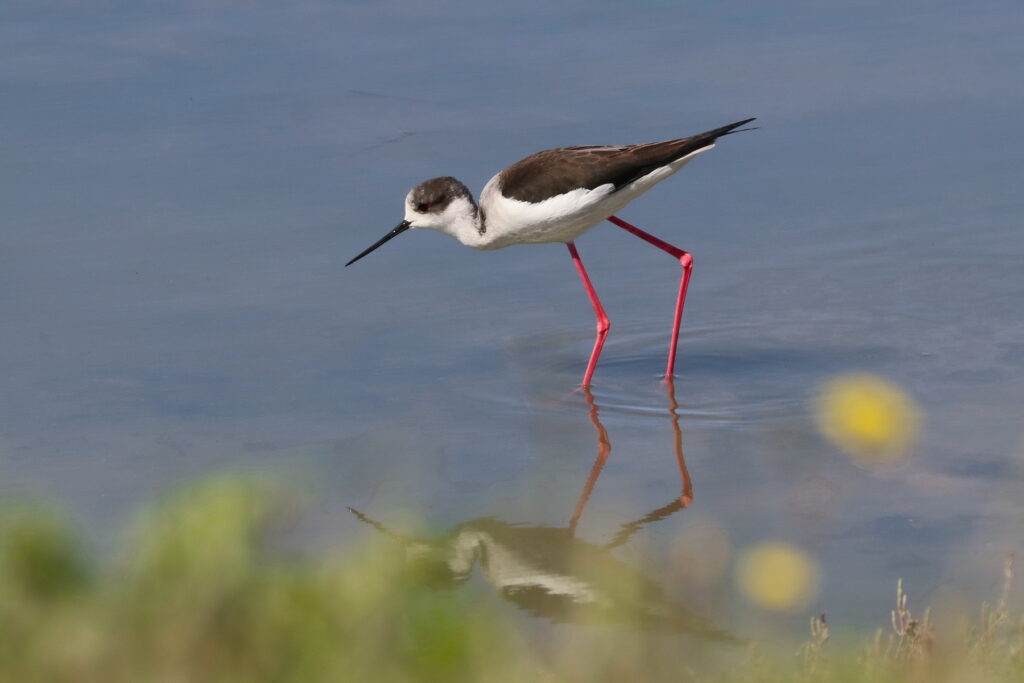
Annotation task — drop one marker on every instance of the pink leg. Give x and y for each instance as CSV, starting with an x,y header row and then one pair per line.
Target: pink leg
x,y
686,261
602,320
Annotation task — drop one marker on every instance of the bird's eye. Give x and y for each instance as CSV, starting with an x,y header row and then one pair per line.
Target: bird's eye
x,y
423,207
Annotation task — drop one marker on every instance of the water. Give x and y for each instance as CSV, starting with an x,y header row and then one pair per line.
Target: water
x,y
182,184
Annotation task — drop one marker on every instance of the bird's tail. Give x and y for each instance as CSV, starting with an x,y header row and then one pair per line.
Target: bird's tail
x,y
712,135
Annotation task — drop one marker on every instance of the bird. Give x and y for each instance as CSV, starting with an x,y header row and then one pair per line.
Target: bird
x,y
556,195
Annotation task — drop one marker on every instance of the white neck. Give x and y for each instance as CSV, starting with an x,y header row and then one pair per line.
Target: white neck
x,y
462,221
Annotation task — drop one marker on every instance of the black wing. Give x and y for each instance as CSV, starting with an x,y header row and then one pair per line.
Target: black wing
x,y
557,171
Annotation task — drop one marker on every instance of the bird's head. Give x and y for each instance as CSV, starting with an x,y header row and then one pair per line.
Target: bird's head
x,y
437,204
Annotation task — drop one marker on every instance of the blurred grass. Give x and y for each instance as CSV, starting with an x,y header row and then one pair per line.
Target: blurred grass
x,y
200,594
200,591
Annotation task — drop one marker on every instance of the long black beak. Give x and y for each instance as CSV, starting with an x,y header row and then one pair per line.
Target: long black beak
x,y
399,229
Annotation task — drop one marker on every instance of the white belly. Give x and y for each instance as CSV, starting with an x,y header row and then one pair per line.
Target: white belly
x,y
562,218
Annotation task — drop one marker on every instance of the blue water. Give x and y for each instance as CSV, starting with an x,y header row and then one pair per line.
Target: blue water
x,y
183,182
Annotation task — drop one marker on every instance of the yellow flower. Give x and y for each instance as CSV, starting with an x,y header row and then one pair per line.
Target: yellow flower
x,y
778,576
869,418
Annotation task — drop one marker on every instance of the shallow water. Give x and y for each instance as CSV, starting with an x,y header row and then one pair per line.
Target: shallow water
x,y
183,184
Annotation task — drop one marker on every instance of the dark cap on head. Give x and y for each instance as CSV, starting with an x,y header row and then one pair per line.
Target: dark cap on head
x,y
435,194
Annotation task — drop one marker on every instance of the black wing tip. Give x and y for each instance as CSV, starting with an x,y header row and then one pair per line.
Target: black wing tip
x,y
727,130
707,138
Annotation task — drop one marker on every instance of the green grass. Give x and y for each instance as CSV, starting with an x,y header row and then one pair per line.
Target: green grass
x,y
202,590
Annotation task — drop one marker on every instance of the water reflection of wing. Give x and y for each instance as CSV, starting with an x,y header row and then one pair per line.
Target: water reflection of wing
x,y
550,573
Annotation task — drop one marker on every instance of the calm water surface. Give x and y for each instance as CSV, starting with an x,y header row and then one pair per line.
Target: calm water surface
x,y
182,184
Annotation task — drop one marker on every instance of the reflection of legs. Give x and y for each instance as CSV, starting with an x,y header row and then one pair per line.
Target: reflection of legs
x,y
686,497
686,261
604,449
602,320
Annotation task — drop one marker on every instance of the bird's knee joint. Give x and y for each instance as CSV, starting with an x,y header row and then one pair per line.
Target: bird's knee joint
x,y
603,326
686,260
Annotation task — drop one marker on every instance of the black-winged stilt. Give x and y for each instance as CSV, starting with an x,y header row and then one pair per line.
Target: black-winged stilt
x,y
555,196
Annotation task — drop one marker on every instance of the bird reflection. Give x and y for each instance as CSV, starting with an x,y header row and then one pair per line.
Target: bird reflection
x,y
551,573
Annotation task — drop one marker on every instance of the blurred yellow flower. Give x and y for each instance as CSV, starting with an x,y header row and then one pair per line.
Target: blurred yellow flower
x,y
869,418
778,576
